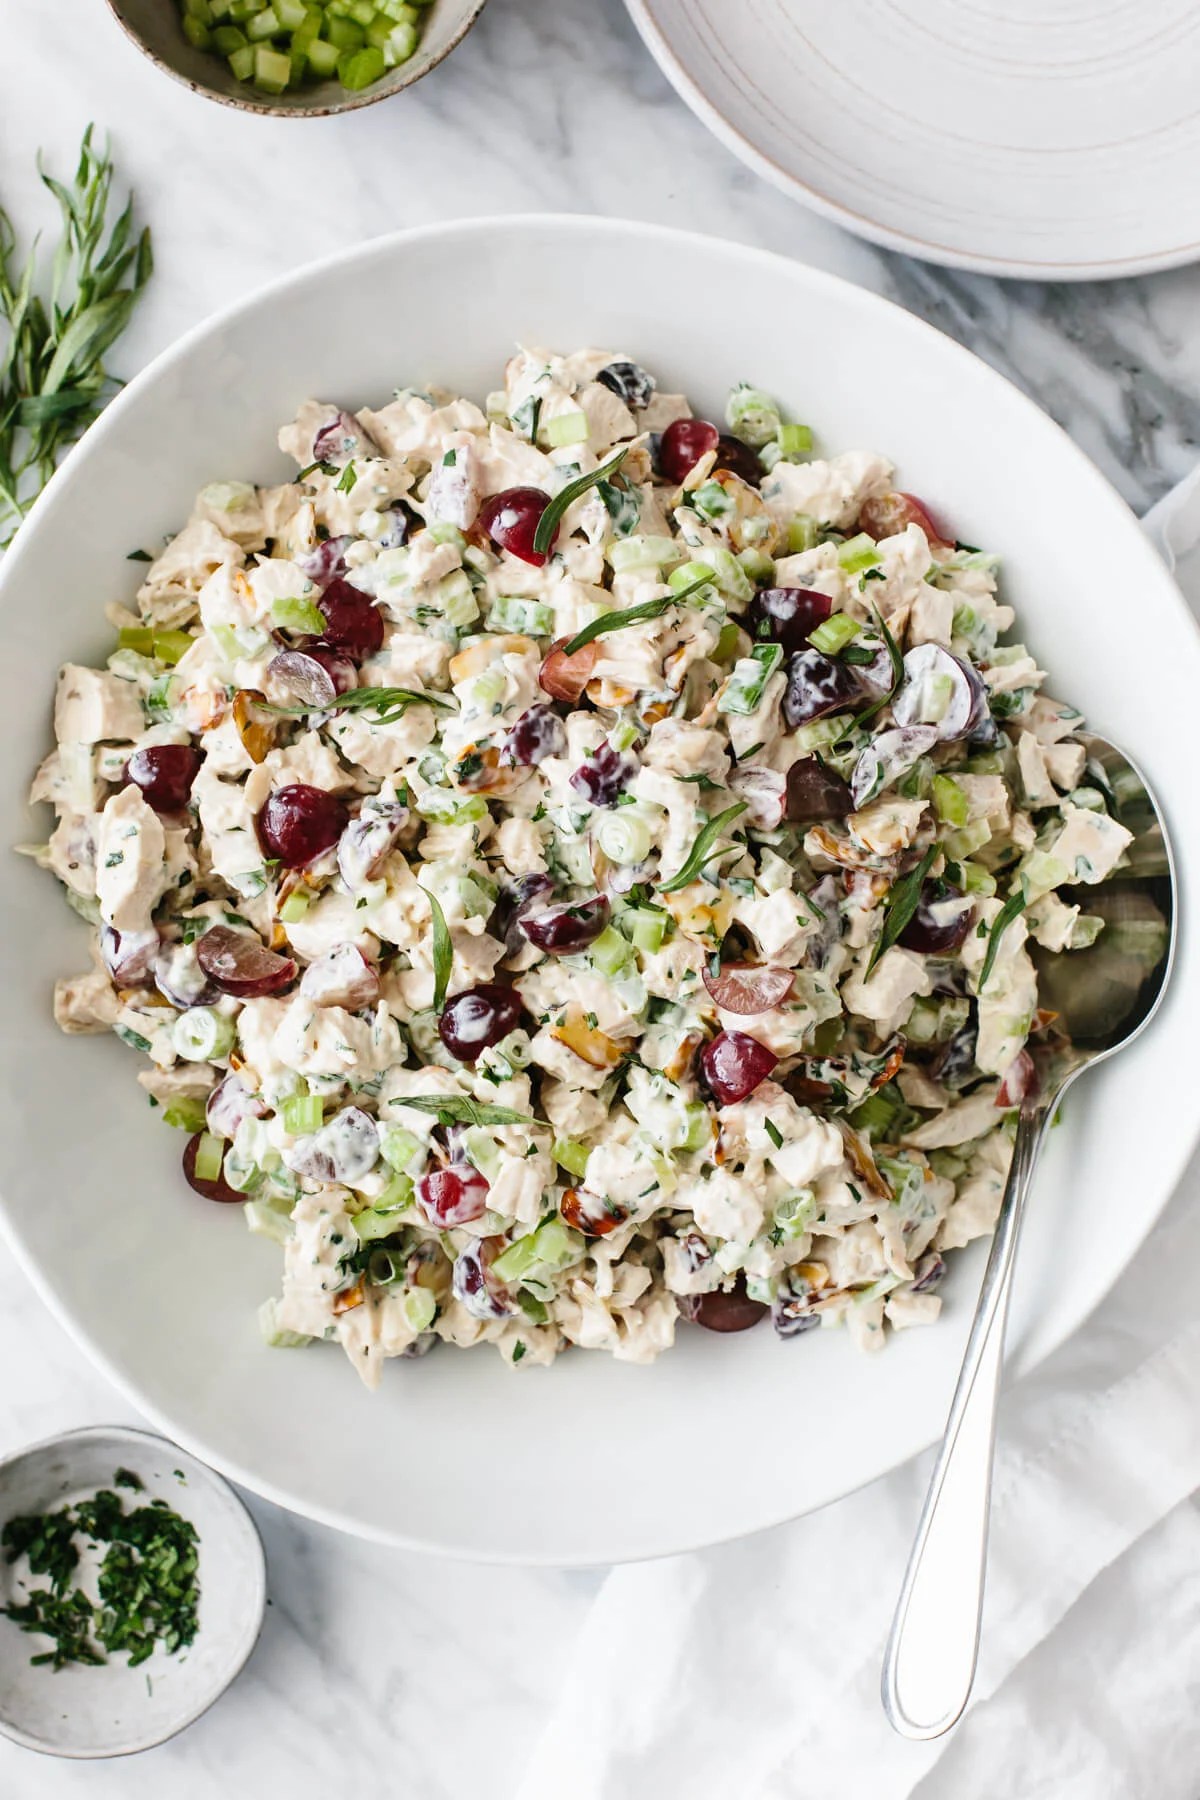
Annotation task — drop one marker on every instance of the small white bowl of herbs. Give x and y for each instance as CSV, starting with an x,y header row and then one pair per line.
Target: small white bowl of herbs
x,y
132,1589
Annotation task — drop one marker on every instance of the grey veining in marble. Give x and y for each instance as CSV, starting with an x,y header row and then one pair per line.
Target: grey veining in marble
x,y
377,1671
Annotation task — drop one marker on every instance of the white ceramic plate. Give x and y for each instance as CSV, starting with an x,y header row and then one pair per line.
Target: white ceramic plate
x,y
590,1460
1055,140
114,1710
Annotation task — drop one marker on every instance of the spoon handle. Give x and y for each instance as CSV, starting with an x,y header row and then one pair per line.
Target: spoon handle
x,y
929,1665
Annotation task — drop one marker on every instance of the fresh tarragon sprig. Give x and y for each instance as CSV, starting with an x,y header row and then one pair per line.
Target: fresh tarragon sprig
x,y
53,382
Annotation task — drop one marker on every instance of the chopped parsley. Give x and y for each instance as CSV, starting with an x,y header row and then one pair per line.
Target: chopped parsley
x,y
147,1587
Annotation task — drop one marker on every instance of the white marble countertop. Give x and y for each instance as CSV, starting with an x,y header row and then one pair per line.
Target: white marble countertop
x,y
373,1661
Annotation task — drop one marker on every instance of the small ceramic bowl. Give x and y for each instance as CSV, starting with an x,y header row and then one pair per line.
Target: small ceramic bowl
x,y
112,1710
156,28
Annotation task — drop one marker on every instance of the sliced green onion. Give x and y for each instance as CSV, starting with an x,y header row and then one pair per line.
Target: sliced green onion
x,y
547,530
834,633
302,1114
704,848
210,1154
298,615
624,836
202,1035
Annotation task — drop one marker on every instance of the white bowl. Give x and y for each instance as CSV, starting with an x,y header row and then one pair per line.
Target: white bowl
x,y
590,1460
113,1710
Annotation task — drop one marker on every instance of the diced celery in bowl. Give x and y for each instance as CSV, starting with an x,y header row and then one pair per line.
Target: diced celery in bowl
x,y
279,44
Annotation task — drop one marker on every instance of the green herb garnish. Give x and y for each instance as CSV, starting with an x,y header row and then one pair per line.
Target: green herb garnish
x,y
459,1109
543,537
443,951
147,1586
347,478
1012,908
774,1133
900,903
703,849
631,615
52,377
389,703
894,651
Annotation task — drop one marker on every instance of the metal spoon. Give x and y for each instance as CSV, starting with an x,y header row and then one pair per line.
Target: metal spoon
x,y
1104,996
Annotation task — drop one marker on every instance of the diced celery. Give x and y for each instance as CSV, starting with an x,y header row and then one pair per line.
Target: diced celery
x,y
969,838
241,62
877,1114
357,69
743,691
758,565
729,574
624,735
949,800
263,25
976,879
646,927
186,1114
447,807
295,906
688,574
571,1156
228,38
196,32
344,33
276,1336
170,646
420,1308
834,633
640,552
794,1215
713,501
323,57
1041,873
821,732
272,70
566,428
518,1259
858,553
268,1218
794,441
202,1035
699,1127
302,1114
198,9
136,637
220,9
401,1149
210,1154
400,45
610,952
362,10
372,1223
481,1150
292,13
803,533
242,10
531,618
296,614
727,643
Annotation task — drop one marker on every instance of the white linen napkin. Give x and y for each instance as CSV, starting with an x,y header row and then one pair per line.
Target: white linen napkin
x,y
751,1672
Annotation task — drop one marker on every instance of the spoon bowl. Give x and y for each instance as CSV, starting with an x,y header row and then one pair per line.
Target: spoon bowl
x,y
1098,1000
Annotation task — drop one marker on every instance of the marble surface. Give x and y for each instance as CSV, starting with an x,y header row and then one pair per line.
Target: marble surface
x,y
372,1660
